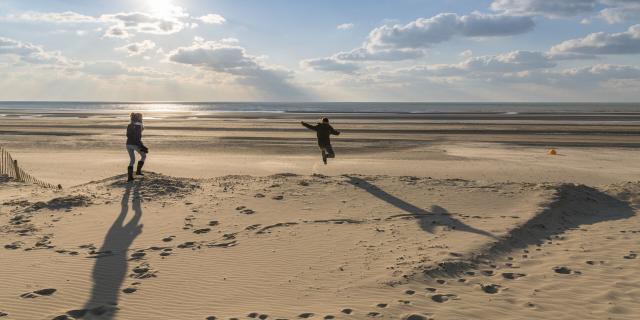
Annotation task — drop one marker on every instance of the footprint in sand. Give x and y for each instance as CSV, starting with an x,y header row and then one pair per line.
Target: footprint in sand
x,y
245,210
410,292
168,239
415,317
329,317
129,290
213,223
347,311
143,271
442,298
138,255
278,198
382,305
564,270
202,231
631,255
306,315
79,313
38,293
212,318
490,288
431,289
513,276
13,246
2,314
188,244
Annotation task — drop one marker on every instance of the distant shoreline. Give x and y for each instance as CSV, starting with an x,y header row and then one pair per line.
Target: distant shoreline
x,y
377,109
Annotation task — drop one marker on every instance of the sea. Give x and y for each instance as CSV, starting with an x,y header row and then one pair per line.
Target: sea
x,y
317,107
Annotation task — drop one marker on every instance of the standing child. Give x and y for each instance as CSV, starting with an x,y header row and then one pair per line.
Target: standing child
x,y
134,144
324,131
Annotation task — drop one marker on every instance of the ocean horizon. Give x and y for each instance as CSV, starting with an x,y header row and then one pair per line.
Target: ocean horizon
x,y
321,107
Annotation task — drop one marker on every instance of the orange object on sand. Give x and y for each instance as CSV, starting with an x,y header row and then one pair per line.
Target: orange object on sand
x,y
553,152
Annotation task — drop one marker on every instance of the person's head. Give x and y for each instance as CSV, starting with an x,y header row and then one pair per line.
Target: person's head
x,y
136,117
325,120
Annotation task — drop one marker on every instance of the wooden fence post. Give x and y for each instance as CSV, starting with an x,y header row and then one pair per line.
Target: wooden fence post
x,y
15,166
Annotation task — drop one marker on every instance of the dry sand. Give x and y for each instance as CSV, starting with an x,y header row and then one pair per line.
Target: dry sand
x,y
416,219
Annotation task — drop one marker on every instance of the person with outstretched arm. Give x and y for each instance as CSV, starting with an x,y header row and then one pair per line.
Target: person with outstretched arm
x,y
134,144
324,131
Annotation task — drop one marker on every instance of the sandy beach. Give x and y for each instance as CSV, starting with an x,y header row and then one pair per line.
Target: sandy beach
x,y
445,216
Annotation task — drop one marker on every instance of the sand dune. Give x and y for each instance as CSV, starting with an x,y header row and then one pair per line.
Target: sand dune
x,y
295,246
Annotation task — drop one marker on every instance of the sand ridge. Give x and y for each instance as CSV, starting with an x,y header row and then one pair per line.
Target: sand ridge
x,y
292,246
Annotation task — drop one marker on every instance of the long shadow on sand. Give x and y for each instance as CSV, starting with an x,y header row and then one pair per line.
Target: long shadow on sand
x,y
571,207
425,218
111,264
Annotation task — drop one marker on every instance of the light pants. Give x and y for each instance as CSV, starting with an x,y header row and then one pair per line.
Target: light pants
x,y
327,151
132,156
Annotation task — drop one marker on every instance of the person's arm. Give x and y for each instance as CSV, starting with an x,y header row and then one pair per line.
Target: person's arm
x,y
138,133
334,131
309,126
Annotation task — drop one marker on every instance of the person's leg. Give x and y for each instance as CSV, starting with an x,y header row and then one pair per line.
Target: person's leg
x,y
132,156
329,152
324,155
143,157
132,160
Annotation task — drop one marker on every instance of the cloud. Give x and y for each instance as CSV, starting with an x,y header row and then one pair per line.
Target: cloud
x,y
409,41
116,32
425,32
622,11
615,11
145,23
32,54
169,20
52,17
363,54
213,18
627,42
564,8
112,69
330,65
227,57
345,26
580,77
510,62
137,48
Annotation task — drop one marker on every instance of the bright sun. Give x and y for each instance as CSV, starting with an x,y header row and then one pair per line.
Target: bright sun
x,y
162,8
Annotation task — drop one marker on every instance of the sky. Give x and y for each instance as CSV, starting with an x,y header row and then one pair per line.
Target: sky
x,y
321,50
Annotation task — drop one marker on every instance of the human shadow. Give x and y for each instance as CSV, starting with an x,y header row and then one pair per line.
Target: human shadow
x,y
111,264
427,220
572,207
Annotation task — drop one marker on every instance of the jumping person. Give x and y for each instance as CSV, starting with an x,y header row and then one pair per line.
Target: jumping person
x,y
324,131
134,143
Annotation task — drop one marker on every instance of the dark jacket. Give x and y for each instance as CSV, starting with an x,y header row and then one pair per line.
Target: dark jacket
x,y
134,134
324,132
